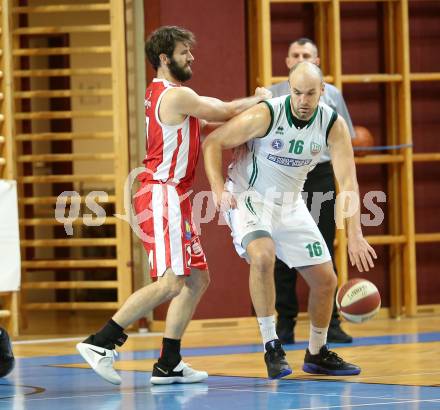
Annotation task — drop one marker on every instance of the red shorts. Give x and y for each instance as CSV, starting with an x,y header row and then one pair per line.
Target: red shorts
x,y
167,230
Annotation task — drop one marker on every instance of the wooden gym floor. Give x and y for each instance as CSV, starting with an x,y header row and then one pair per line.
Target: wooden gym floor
x,y
400,362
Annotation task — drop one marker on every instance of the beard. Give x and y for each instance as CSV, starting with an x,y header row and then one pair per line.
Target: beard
x,y
181,74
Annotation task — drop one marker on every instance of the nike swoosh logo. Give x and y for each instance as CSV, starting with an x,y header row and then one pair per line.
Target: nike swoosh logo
x,y
163,371
101,354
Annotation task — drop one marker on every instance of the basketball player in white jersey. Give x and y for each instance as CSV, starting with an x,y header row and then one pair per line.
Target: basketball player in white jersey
x,y
173,115
285,137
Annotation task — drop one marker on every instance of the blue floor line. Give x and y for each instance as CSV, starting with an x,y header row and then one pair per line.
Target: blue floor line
x,y
72,389
248,348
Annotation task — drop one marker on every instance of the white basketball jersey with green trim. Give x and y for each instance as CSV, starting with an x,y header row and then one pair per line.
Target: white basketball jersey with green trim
x,y
279,161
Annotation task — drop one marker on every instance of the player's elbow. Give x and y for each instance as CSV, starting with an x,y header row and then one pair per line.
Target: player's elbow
x,y
231,110
208,144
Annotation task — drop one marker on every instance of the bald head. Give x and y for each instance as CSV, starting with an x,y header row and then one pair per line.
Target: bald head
x,y
307,85
307,69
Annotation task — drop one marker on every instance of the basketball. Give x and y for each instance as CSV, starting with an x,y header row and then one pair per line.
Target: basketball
x,y
358,300
363,138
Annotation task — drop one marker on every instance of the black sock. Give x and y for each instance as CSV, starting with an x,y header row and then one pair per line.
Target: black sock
x,y
110,335
170,353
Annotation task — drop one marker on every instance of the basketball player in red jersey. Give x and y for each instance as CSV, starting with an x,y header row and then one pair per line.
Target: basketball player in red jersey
x,y
174,117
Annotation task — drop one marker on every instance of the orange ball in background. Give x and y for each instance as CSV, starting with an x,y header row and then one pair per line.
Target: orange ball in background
x,y
363,138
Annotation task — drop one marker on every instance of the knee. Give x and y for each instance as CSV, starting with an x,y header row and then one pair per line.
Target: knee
x,y
204,281
329,282
263,260
172,285
199,281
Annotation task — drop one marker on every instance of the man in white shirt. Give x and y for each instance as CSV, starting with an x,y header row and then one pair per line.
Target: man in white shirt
x,y
284,138
319,180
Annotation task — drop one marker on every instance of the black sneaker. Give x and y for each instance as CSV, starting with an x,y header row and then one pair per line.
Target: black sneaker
x,y
328,362
337,335
182,373
285,331
276,363
7,360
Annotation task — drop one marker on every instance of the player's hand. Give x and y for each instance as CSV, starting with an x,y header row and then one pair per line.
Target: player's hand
x,y
361,253
224,200
263,93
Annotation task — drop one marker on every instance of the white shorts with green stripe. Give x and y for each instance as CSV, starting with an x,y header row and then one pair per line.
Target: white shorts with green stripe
x,y
298,241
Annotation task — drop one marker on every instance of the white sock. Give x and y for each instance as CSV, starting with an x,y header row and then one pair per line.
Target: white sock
x,y
317,338
267,328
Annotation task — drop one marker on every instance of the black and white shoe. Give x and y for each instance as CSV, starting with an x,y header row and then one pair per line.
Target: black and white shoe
x,y
101,360
182,373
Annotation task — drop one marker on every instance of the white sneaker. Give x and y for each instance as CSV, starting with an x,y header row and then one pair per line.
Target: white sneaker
x,y
100,360
182,373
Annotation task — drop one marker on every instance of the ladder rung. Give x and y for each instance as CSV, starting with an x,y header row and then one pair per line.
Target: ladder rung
x,y
427,237
367,1
96,28
61,8
57,136
379,159
62,72
371,78
2,139
2,161
281,79
49,51
48,179
63,93
47,115
426,156
5,313
300,1
67,242
65,157
70,263
71,306
385,239
110,220
424,76
46,213
52,200
84,284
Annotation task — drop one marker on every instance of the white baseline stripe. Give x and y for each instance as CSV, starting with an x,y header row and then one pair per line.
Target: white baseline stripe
x,y
24,398
349,396
350,406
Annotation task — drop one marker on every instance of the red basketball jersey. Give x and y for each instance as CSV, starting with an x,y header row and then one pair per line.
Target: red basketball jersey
x,y
172,150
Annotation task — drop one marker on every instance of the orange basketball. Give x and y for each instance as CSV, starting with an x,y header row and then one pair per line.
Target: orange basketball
x,y
363,139
358,300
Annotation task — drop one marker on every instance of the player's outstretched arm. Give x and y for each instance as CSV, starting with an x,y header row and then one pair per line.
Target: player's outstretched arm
x,y
250,124
186,101
360,252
